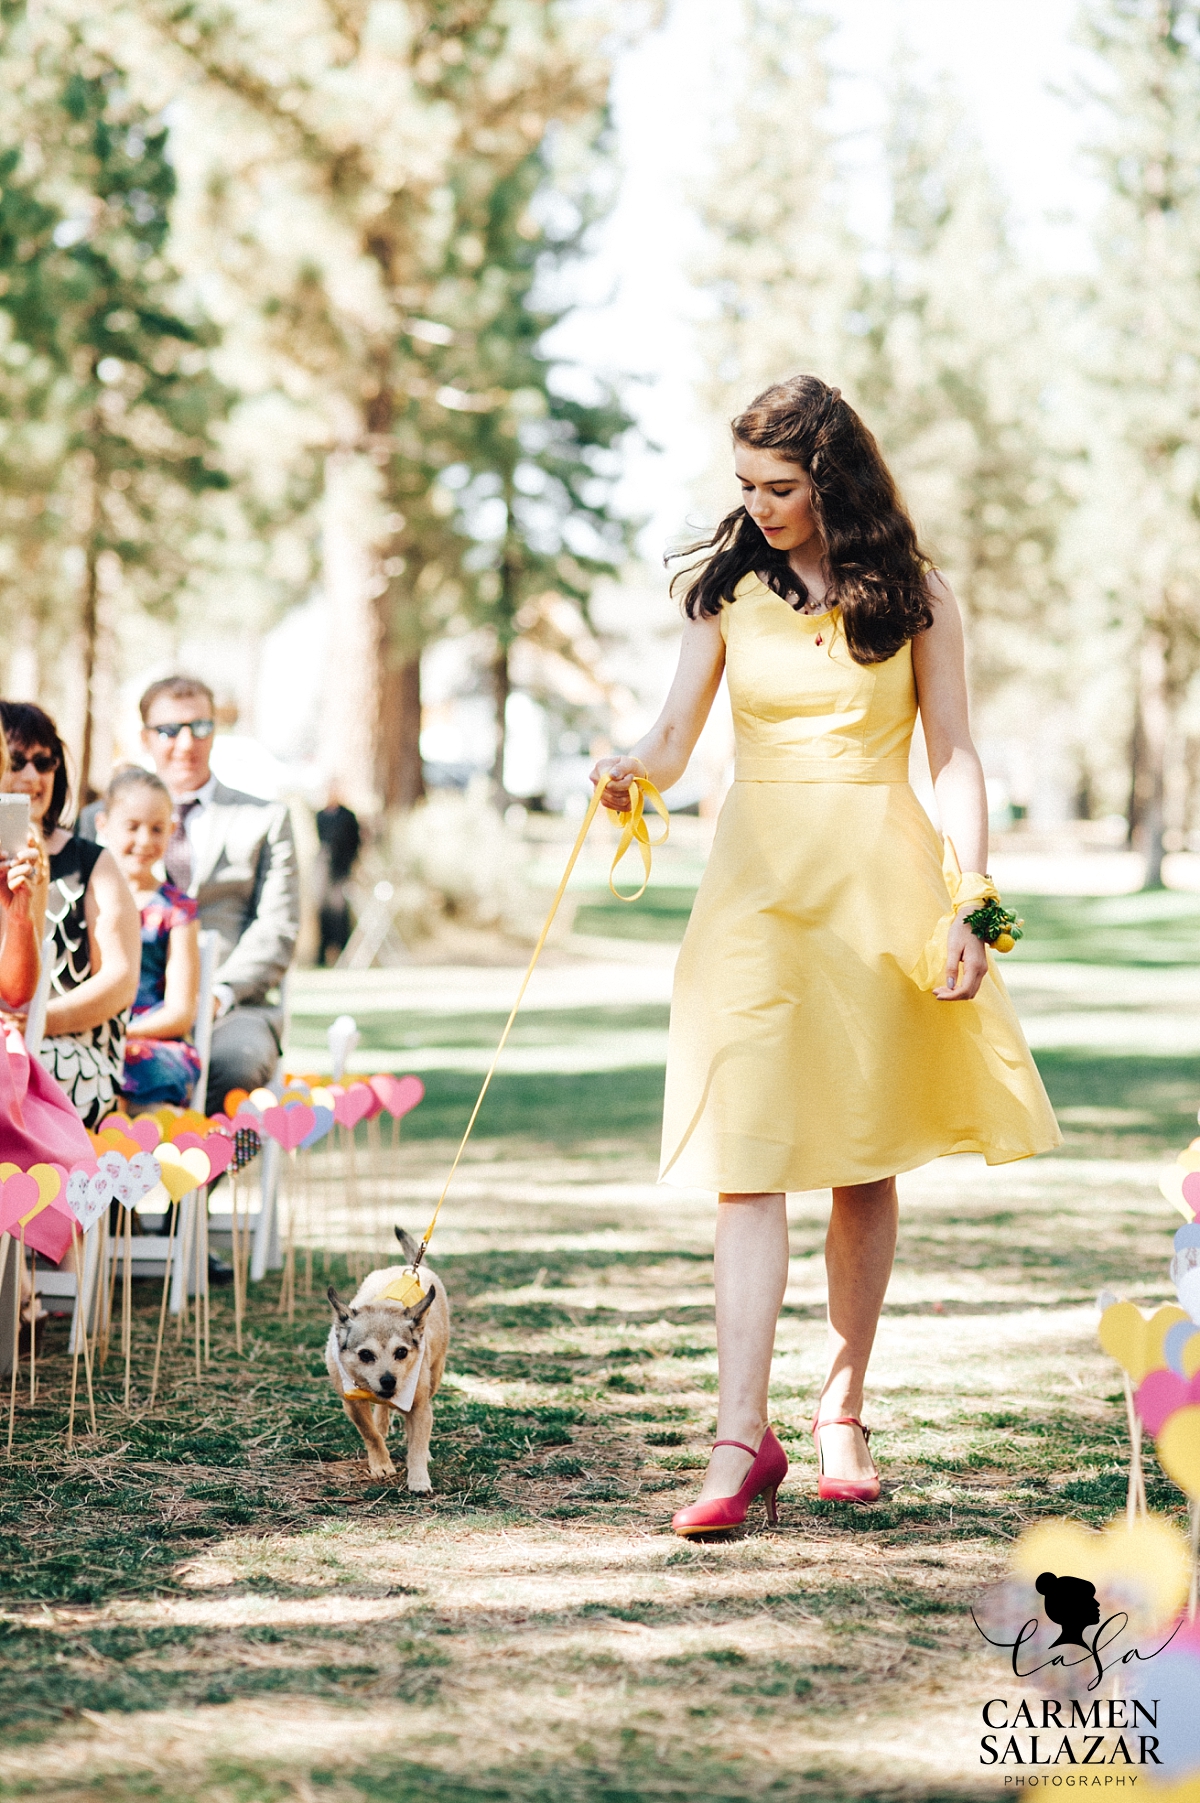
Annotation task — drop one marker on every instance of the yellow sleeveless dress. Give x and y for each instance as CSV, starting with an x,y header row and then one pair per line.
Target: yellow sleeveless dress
x,y
802,1053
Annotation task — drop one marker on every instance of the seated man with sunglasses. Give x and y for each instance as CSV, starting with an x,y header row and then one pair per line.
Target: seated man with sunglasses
x,y
236,855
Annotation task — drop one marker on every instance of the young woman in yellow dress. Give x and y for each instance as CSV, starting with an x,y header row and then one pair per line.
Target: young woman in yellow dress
x,y
835,1018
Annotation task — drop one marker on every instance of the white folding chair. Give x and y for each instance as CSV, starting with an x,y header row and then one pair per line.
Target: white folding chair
x,y
35,1020
266,1253
193,1210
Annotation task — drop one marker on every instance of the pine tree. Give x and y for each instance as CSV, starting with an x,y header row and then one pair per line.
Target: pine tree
x,y
533,464
109,425
1146,379
341,158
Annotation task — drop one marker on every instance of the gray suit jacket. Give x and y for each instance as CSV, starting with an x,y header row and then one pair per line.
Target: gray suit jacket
x,y
245,879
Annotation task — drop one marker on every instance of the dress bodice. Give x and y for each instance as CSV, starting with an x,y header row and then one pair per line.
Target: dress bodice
x,y
804,711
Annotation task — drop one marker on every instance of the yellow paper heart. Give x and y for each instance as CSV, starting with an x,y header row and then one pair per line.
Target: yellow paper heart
x,y
1190,1359
1170,1182
322,1098
9,1170
264,1098
1135,1342
407,1288
1147,1566
1189,1160
1177,1444
48,1180
182,1171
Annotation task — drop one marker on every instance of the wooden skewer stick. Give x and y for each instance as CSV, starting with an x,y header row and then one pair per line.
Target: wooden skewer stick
x,y
238,1301
16,1339
196,1277
172,1222
1195,1537
77,1251
127,1305
32,1321
87,1344
202,1272
1135,1492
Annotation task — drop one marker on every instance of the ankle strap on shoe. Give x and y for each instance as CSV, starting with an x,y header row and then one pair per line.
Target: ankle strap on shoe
x,y
738,1443
839,1421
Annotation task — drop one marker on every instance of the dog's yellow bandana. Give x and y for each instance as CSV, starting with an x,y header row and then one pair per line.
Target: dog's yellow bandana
x,y
406,1289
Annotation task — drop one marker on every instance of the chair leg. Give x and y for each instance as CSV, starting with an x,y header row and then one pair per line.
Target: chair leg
x,y
266,1255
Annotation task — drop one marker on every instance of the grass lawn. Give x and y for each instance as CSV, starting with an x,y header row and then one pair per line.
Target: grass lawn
x,y
212,1601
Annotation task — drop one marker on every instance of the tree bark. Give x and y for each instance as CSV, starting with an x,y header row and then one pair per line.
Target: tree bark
x,y
501,688
1153,712
400,778
89,623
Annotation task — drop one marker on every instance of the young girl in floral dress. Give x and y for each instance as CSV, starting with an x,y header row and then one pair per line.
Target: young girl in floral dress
x,y
161,1065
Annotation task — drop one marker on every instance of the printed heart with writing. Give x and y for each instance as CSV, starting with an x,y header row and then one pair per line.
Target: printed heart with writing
x,y
289,1126
353,1105
88,1195
398,1094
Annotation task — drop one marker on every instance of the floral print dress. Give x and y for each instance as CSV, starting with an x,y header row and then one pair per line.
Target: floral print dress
x,y
159,1070
86,1065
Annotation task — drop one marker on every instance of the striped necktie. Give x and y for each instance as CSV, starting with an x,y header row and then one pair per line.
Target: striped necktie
x,y
179,852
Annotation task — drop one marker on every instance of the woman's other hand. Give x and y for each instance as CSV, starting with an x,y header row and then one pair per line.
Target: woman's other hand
x,y
27,873
966,961
616,774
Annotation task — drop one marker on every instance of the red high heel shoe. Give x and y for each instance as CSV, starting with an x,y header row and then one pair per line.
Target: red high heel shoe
x,y
844,1489
763,1479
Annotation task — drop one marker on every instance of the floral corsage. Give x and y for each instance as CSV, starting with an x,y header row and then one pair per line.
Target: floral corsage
x,y
995,925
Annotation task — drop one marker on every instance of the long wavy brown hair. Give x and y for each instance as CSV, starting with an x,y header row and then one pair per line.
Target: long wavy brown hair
x,y
876,570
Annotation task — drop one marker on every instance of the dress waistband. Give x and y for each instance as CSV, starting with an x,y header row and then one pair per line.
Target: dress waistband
x,y
785,768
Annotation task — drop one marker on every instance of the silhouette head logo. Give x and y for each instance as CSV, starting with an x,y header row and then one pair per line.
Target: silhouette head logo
x,y
1070,1603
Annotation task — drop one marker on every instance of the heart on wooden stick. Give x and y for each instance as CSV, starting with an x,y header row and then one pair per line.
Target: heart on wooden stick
x,y
18,1194
289,1126
353,1105
399,1095
182,1172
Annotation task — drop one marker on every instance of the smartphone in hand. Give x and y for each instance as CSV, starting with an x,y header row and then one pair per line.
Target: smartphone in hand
x,y
14,825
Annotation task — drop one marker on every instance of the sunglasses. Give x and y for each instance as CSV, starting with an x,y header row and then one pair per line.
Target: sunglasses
x,y
199,729
43,761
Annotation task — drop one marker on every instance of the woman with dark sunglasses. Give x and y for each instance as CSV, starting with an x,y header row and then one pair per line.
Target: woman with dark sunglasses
x,y
91,917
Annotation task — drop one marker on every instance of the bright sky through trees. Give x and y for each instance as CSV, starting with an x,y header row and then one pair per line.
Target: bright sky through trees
x,y
1003,57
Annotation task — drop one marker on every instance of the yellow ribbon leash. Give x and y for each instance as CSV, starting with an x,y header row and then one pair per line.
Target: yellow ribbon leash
x,y
634,832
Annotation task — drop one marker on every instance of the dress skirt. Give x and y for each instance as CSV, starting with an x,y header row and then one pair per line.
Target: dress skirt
x,y
802,1053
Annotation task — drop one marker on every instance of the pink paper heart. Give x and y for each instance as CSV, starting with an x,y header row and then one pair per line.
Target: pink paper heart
x,y
247,1119
1191,1191
219,1152
184,1140
51,1231
146,1131
353,1105
220,1123
1160,1393
398,1094
289,1125
18,1195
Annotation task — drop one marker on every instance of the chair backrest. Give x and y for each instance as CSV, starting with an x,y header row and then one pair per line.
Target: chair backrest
x,y
203,1024
35,1024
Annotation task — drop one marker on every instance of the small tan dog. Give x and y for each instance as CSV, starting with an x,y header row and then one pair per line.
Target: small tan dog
x,y
378,1349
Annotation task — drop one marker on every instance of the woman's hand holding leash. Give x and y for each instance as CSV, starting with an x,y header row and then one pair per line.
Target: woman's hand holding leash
x,y
615,774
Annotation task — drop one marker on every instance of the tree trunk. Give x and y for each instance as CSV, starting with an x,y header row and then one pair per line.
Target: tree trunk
x,y
401,780
89,624
500,694
1154,710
